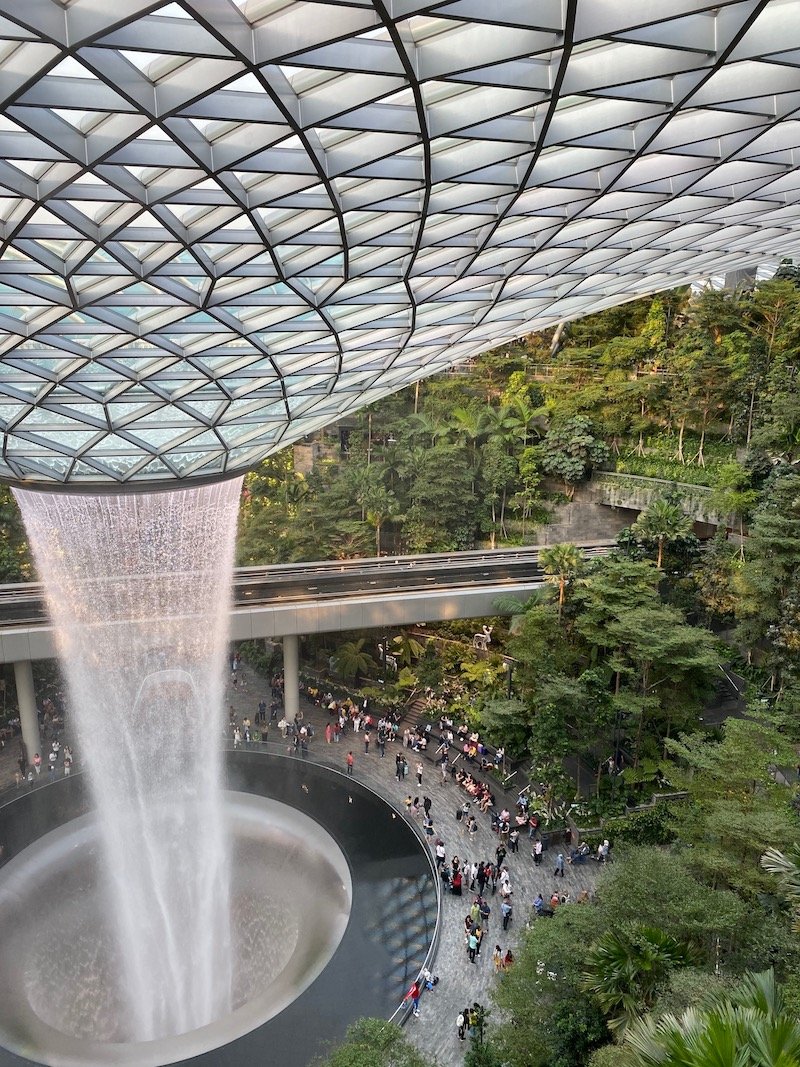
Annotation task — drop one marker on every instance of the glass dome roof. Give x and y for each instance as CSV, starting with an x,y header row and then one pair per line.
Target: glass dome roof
x,y
226,223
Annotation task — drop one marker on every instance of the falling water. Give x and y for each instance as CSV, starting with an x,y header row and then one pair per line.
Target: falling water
x,y
138,588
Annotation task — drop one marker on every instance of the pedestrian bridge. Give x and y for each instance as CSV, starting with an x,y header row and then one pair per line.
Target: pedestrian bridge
x,y
306,598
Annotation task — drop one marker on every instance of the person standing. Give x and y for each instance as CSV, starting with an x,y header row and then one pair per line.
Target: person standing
x,y
426,804
497,959
472,946
350,761
420,769
461,1024
479,936
506,911
486,911
366,741
398,767
472,828
537,852
440,854
559,865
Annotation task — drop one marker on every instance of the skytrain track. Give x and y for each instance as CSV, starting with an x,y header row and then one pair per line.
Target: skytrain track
x,y
22,604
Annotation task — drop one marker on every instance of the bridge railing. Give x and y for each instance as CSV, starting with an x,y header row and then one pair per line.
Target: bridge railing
x,y
636,492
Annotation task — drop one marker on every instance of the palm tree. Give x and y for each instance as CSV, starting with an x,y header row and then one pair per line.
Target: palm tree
x,y
472,424
749,1028
623,972
662,522
503,427
561,565
526,414
423,425
380,505
786,868
352,661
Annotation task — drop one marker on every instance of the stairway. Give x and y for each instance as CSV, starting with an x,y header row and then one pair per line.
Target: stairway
x,y
414,712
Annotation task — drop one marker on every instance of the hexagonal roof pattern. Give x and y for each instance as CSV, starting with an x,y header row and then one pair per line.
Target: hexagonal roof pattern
x,y
226,223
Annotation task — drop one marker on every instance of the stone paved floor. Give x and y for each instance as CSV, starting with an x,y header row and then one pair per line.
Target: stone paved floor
x,y
461,983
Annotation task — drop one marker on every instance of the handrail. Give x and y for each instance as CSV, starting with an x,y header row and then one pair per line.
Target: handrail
x,y
642,478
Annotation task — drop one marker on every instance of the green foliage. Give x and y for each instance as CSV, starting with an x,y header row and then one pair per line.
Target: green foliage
x,y
666,469
15,558
570,449
657,888
769,583
374,1043
440,514
661,523
652,826
479,1054
548,1019
562,564
624,970
716,576
786,868
352,661
747,1027
738,810
507,723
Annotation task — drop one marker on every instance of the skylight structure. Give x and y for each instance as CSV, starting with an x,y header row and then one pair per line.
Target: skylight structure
x,y
226,223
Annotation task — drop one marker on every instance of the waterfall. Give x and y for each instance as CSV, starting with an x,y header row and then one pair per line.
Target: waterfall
x,y
138,588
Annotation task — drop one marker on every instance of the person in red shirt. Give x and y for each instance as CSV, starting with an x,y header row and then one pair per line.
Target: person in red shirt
x,y
350,762
413,996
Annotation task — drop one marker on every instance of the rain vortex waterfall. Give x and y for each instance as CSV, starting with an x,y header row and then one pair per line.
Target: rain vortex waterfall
x,y
138,587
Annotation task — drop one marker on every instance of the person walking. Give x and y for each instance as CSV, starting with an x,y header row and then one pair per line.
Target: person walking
x,y
537,852
427,804
350,760
497,959
413,995
461,1024
481,877
559,865
506,911
473,875
419,769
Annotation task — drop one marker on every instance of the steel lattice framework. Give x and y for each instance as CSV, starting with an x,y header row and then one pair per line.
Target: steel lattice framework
x,y
226,223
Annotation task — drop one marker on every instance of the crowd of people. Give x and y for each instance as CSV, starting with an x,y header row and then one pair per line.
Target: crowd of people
x,y
460,758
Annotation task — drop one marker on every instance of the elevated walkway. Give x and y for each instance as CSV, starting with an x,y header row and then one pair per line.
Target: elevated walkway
x,y
297,599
